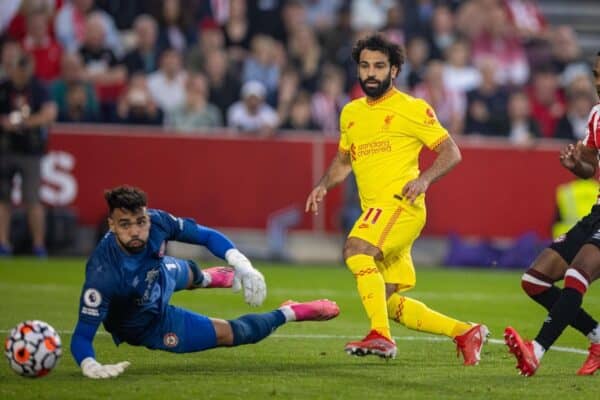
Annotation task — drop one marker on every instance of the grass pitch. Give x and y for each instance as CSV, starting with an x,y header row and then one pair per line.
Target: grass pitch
x,y
301,360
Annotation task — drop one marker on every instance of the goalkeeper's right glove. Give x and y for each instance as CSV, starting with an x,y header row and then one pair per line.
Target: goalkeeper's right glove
x,y
93,369
247,277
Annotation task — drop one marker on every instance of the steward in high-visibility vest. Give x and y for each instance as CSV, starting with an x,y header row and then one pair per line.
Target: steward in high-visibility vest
x,y
574,200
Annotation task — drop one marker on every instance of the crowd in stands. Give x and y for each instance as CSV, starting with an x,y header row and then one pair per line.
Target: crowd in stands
x,y
488,67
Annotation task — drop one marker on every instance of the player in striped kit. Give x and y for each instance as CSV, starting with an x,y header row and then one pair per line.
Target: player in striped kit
x,y
574,257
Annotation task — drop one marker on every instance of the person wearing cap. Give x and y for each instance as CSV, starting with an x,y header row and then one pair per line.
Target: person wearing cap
x,y
252,114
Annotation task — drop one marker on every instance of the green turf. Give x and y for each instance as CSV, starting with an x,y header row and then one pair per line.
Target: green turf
x,y
302,360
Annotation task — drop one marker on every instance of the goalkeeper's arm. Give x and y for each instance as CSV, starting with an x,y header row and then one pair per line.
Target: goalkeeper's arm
x,y
83,353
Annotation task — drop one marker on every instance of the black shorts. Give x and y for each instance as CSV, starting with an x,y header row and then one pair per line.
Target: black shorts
x,y
587,230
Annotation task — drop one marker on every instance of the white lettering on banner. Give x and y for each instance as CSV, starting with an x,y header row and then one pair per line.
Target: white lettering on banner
x,y
59,187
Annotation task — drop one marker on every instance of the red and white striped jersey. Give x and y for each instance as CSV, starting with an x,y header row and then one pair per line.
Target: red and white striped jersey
x,y
592,138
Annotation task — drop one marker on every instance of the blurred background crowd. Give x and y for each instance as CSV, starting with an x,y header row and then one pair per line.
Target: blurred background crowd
x,y
268,67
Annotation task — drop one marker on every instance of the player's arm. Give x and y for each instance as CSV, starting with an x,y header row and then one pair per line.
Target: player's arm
x,y
246,276
337,171
448,156
93,307
580,159
83,353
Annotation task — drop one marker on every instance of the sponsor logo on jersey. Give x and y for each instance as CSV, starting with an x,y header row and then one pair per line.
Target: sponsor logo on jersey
x,y
92,298
369,149
170,340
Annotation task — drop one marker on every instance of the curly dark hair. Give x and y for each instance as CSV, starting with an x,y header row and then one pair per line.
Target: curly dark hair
x,y
377,42
128,197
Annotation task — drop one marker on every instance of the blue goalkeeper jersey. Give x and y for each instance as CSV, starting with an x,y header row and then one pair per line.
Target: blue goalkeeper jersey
x,y
130,292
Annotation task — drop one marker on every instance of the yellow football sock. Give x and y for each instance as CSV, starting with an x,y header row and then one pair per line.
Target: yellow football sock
x,y
415,315
371,289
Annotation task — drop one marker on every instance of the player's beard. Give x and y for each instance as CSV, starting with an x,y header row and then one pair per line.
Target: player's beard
x,y
136,248
375,92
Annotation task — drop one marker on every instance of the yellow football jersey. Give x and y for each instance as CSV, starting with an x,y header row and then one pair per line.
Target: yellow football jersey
x,y
384,139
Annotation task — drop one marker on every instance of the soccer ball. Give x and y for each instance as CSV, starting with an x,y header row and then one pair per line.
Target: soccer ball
x,y
32,348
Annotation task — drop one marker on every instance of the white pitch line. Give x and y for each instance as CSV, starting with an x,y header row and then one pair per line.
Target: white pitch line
x,y
424,338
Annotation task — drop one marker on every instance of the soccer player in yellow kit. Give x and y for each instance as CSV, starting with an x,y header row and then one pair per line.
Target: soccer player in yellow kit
x,y
381,137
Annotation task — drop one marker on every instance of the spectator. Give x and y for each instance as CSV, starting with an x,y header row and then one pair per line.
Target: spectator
x,y
546,100
70,26
11,49
497,40
42,47
237,32
76,110
299,116
266,17
287,91
144,56
417,54
321,15
123,12
522,129
449,104
260,65
566,55
293,16
211,38
442,33
528,20
574,124
18,25
458,73
136,106
306,55
252,114
177,30
224,86
167,84
25,114
487,104
73,73
196,112
419,16
101,65
328,101
369,14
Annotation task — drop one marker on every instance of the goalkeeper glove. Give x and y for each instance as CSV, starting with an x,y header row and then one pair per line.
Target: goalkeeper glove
x,y
247,277
93,369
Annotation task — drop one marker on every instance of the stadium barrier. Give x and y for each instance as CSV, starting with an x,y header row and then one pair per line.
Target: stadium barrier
x,y
226,180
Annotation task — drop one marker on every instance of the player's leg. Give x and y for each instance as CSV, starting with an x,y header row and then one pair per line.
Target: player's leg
x,y
584,269
31,174
183,331
416,315
399,274
6,177
187,275
550,266
360,258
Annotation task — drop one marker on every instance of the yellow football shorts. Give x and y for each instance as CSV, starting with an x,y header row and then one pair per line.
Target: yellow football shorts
x,y
393,229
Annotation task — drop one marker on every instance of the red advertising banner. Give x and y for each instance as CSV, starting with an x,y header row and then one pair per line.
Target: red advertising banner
x,y
497,191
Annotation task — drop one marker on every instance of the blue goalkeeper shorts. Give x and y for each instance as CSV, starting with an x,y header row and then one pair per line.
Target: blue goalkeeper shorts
x,y
182,331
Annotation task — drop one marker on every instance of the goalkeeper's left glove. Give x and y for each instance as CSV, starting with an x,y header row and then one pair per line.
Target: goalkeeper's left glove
x,y
246,276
